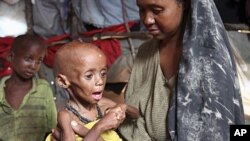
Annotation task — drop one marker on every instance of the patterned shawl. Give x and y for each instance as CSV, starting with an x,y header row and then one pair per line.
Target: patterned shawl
x,y
207,97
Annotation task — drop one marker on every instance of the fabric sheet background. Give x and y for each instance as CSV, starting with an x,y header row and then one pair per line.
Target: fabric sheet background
x,y
241,47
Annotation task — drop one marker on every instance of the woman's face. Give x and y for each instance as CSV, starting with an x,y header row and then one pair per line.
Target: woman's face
x,y
162,18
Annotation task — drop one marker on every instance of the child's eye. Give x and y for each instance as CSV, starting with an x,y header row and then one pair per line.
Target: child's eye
x,y
89,76
28,59
103,73
39,61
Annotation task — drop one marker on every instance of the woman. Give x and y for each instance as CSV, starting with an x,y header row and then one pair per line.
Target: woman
x,y
188,65
183,80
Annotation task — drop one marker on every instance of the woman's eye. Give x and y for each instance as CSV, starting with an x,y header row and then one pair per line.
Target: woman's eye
x,y
156,11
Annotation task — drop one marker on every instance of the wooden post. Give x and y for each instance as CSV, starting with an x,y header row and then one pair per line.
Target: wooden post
x,y
28,16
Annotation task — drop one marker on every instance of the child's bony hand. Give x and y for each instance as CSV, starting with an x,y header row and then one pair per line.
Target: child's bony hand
x,y
113,117
120,111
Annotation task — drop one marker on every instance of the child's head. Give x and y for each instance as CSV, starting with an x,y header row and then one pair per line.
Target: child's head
x,y
81,68
26,55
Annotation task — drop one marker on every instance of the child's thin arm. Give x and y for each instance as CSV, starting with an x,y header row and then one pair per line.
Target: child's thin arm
x,y
131,112
111,120
64,120
68,133
58,134
86,133
94,134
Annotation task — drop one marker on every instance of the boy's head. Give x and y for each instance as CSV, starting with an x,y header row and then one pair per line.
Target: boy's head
x,y
82,68
26,55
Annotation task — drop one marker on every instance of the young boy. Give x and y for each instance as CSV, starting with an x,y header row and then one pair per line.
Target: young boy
x,y
81,69
27,107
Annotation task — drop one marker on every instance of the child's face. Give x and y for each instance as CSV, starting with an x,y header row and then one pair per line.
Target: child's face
x,y
88,78
27,61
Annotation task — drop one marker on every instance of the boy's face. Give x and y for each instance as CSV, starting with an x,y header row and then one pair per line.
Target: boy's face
x,y
27,61
88,78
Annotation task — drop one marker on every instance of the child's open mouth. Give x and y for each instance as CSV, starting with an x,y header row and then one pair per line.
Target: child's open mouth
x,y
97,95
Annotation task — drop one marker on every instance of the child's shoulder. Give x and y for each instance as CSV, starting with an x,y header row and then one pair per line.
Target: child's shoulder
x,y
64,117
64,114
41,81
3,79
42,86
